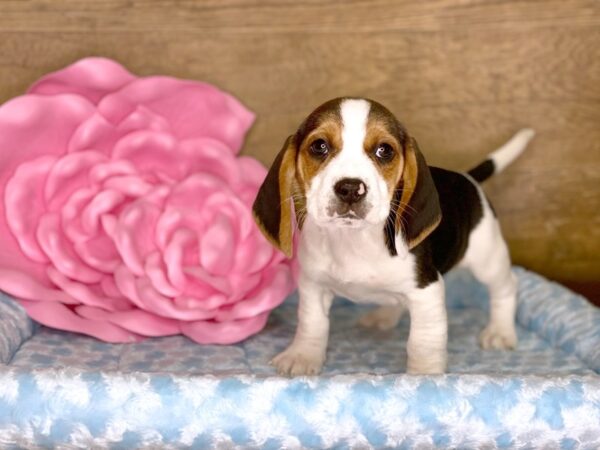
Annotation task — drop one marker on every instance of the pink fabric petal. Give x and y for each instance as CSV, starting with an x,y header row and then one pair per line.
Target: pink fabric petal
x,y
242,286
95,133
130,185
103,171
210,156
157,196
225,203
23,286
134,233
165,306
109,287
194,109
167,224
67,175
109,225
184,207
150,152
24,203
20,143
173,257
252,255
252,171
247,195
125,282
156,273
200,284
217,246
197,188
210,332
102,203
136,321
238,288
70,214
206,283
19,117
142,293
279,286
60,252
87,294
253,174
92,78
208,303
57,315
99,253
144,119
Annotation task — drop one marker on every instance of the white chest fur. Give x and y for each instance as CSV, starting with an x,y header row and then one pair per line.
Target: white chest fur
x,y
355,263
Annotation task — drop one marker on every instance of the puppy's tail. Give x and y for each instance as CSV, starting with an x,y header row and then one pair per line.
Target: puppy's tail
x,y
497,161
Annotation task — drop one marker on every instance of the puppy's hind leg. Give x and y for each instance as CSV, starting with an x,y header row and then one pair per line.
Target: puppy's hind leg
x,y
488,259
382,318
500,332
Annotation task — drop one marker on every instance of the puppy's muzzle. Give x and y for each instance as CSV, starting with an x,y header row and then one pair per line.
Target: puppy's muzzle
x,y
350,190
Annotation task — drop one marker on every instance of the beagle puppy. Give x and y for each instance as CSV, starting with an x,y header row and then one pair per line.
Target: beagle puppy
x,y
378,225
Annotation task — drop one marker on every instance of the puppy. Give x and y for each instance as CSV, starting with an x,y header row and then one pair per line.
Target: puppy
x,y
378,225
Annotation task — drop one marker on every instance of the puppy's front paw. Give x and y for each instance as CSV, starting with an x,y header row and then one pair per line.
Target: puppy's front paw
x,y
498,338
297,361
433,363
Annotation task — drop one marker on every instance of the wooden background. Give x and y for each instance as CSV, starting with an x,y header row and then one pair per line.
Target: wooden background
x,y
463,75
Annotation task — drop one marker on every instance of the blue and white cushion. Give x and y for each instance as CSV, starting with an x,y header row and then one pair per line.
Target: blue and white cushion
x,y
69,391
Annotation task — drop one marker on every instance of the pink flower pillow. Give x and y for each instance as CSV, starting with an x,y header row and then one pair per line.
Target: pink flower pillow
x,y
126,212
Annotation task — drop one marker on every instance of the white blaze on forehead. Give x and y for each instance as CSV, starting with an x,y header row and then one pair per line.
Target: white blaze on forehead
x,y
355,114
350,162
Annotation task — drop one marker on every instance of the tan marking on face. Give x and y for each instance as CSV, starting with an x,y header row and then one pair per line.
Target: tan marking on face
x,y
379,133
408,182
329,129
299,199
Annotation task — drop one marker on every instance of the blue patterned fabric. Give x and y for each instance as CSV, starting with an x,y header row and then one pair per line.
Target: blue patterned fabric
x,y
67,390
15,327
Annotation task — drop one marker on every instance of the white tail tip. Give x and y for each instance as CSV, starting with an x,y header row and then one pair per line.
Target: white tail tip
x,y
512,149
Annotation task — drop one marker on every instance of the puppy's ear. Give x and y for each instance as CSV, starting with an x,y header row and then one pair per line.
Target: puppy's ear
x,y
415,209
272,208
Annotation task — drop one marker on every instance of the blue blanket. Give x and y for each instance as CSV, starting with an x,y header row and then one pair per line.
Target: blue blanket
x,y
62,389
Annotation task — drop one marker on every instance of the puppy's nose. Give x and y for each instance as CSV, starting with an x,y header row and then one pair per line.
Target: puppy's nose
x,y
350,190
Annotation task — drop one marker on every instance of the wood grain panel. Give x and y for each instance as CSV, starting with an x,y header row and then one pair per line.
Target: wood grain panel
x,y
306,16
462,75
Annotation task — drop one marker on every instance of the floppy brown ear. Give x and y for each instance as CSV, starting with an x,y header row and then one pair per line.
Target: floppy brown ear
x,y
415,209
272,208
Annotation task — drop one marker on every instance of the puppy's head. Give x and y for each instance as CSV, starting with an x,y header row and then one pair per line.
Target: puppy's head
x,y
350,164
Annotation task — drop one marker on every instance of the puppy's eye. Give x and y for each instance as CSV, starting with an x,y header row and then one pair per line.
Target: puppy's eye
x,y
319,148
384,152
